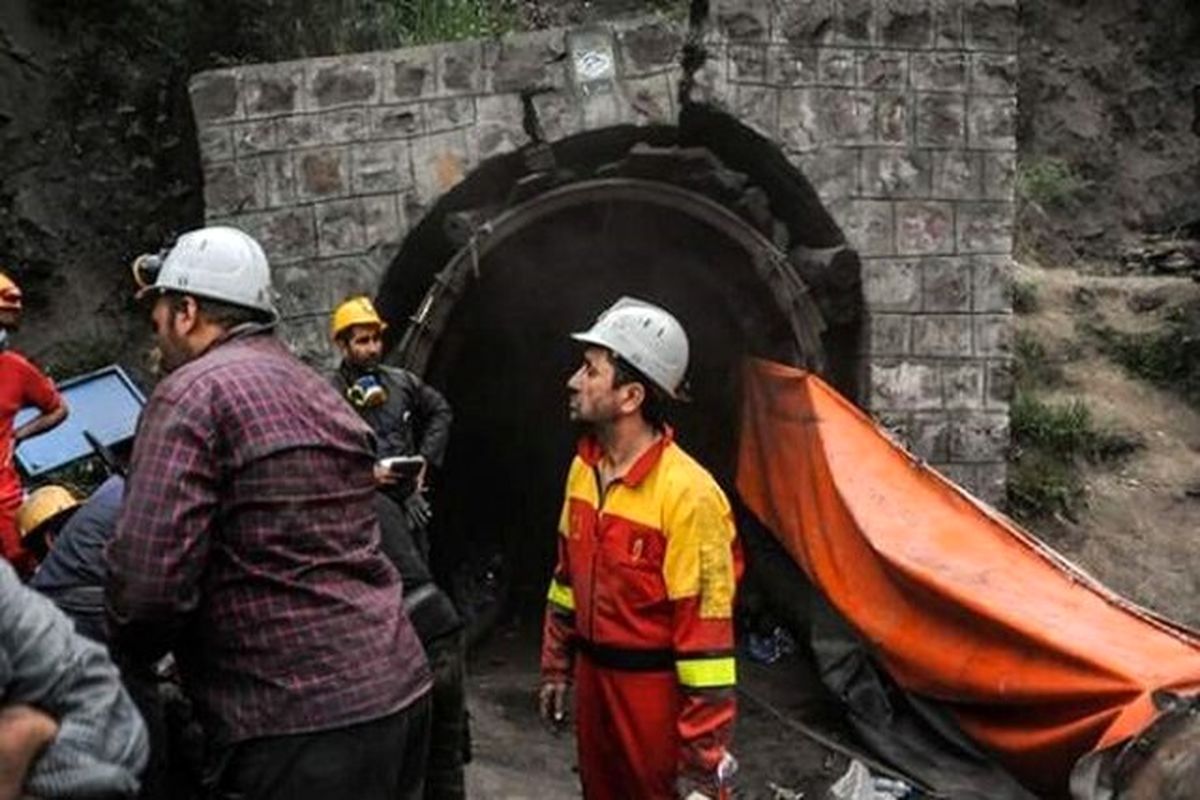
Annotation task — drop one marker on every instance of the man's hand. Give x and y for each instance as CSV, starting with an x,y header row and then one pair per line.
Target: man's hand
x,y
24,733
552,703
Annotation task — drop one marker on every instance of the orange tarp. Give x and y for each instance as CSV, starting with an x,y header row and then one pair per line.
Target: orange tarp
x,y
1037,661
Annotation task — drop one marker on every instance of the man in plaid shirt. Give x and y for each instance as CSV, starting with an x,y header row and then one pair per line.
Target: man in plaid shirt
x,y
248,545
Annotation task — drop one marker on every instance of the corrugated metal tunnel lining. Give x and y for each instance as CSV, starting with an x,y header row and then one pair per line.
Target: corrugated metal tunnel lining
x,y
492,333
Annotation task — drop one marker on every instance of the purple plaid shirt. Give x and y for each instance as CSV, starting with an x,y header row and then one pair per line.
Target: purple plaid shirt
x,y
249,545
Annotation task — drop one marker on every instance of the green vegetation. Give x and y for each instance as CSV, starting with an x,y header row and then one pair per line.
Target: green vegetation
x,y
1032,367
1025,297
1169,358
1049,181
1050,441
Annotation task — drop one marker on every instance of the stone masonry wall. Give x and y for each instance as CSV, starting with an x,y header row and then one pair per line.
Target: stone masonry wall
x,y
901,113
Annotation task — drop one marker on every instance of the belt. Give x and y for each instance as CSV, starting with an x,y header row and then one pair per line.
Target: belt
x,y
628,659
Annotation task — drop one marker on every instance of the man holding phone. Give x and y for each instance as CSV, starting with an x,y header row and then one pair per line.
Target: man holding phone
x,y
410,418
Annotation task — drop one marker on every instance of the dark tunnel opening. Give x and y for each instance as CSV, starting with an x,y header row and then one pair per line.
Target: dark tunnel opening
x,y
627,212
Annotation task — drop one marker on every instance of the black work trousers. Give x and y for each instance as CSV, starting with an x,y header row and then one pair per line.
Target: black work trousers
x,y
383,759
449,736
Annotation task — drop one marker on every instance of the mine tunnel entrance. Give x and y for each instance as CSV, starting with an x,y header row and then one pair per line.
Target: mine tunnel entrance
x,y
666,223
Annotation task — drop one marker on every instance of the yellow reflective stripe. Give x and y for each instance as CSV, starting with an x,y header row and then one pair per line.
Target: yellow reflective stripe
x,y
561,595
707,673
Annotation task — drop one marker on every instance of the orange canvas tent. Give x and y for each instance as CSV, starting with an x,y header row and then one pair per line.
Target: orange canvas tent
x,y
1035,660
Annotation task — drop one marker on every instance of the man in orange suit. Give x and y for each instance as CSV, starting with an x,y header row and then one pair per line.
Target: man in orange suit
x,y
640,606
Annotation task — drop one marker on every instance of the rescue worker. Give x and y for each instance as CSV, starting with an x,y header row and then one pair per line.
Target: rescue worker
x,y
410,417
248,545
21,384
73,572
68,728
640,605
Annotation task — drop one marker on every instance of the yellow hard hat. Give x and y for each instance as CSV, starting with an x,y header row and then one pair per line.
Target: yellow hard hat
x,y
10,294
355,311
43,505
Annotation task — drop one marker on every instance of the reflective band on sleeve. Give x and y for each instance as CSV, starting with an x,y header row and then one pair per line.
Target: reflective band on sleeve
x,y
707,673
561,595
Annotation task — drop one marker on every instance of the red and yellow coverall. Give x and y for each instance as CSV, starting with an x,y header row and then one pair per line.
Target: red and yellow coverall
x,y
640,610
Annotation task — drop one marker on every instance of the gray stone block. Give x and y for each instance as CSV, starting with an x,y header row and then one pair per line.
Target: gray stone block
x,y
993,335
300,131
272,91
233,188
747,63
340,228
939,71
905,385
992,25
855,22
994,73
604,110
985,227
942,335
930,437
837,66
833,171
896,173
992,123
650,100
961,475
397,122
924,227
345,125
410,74
380,167
905,23
758,107
898,425
891,285
993,284
889,335
941,120
560,115
440,162
1000,383
792,65
287,235
342,82
650,47
947,24
798,127
977,437
893,115
214,96
963,385
528,61
323,173
215,143
999,175
449,113
945,285
743,20
459,69
806,22
845,117
383,222
279,174
991,482
868,225
882,69
957,174
500,129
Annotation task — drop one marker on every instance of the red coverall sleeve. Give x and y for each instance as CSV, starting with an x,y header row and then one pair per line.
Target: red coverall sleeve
x,y
559,624
701,577
38,389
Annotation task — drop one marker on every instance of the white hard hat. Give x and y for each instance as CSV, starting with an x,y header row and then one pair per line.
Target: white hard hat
x,y
646,336
218,263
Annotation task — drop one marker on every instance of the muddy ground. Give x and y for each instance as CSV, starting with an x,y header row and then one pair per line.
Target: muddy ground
x,y
517,758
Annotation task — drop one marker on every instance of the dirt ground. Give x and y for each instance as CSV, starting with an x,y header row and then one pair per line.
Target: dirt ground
x,y
517,758
1137,530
